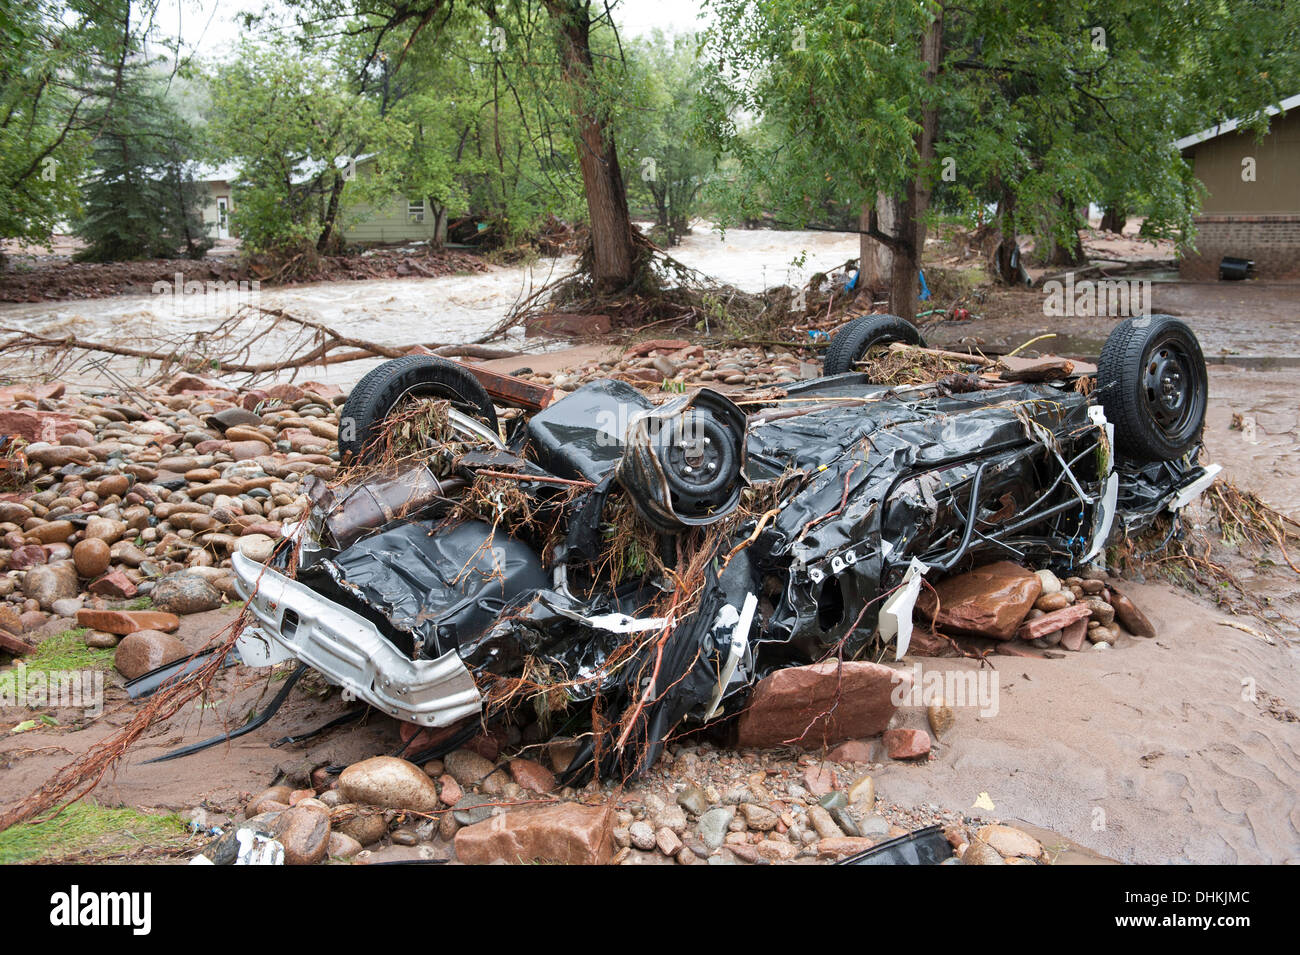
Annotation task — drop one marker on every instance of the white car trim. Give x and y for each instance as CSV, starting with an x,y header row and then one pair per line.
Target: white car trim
x,y
350,651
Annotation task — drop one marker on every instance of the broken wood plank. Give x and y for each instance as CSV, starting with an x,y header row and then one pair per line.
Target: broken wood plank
x,y
1050,370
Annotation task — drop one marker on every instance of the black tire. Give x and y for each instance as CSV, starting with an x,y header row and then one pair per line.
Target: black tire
x,y
419,376
853,340
1153,386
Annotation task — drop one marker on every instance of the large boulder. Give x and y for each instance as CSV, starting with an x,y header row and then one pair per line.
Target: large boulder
x,y
46,583
989,601
821,704
146,650
567,833
390,782
185,593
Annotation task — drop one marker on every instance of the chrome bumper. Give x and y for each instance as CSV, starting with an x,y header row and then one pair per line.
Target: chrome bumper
x,y
348,650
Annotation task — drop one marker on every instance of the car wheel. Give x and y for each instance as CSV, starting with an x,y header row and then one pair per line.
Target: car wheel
x,y
412,376
856,338
1153,386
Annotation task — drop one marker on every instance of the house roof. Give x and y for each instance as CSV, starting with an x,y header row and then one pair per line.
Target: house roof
x,y
1214,132
230,171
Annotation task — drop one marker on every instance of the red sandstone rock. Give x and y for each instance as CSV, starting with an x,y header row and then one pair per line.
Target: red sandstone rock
x,y
567,833
907,744
989,601
791,705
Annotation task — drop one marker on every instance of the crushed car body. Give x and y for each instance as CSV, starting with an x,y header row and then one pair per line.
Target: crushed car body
x,y
645,562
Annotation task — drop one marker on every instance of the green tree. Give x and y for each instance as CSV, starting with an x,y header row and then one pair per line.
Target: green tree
x,y
669,162
294,129
846,94
140,200
57,61
576,67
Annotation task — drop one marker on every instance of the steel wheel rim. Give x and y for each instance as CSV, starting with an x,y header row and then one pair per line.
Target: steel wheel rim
x,y
1168,387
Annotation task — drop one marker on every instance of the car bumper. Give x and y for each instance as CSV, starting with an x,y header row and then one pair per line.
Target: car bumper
x,y
296,622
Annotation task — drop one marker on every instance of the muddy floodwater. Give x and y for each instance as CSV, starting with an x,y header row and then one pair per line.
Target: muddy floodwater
x,y
448,309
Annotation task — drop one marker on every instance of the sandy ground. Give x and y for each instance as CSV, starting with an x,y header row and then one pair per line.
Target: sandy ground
x,y
1177,749
1151,752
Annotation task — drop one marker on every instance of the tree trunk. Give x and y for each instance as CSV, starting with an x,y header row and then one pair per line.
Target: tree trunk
x,y
328,240
613,254
1006,257
439,223
904,279
875,260
1069,252
1113,219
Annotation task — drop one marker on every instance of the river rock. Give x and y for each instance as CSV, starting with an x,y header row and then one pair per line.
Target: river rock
x,y
390,782
906,743
53,532
1101,611
115,585
980,853
146,650
989,601
1009,841
467,767
712,826
342,846
185,593
1130,617
91,557
532,776
1049,602
257,547
565,833
366,827
791,704
46,583
304,831
275,796
123,622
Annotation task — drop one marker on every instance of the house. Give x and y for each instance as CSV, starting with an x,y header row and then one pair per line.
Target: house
x,y
398,219
213,184
1252,207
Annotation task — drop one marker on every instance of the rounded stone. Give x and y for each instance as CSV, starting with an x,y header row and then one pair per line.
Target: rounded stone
x,y
390,782
92,557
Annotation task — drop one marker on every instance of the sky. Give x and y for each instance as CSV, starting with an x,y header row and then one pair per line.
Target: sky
x,y
210,27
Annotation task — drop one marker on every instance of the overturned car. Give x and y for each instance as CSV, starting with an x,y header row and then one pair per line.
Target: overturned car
x,y
620,568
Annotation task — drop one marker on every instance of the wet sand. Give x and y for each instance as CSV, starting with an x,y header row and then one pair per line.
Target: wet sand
x,y
1149,752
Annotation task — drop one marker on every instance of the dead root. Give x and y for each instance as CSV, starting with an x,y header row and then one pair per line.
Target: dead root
x,y
665,292
1238,526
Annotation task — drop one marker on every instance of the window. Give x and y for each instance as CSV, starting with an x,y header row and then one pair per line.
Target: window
x,y
415,209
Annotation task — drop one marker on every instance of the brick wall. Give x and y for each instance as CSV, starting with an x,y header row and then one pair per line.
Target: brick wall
x,y
1272,241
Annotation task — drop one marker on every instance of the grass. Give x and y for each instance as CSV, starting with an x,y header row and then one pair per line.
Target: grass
x,y
68,651
91,833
